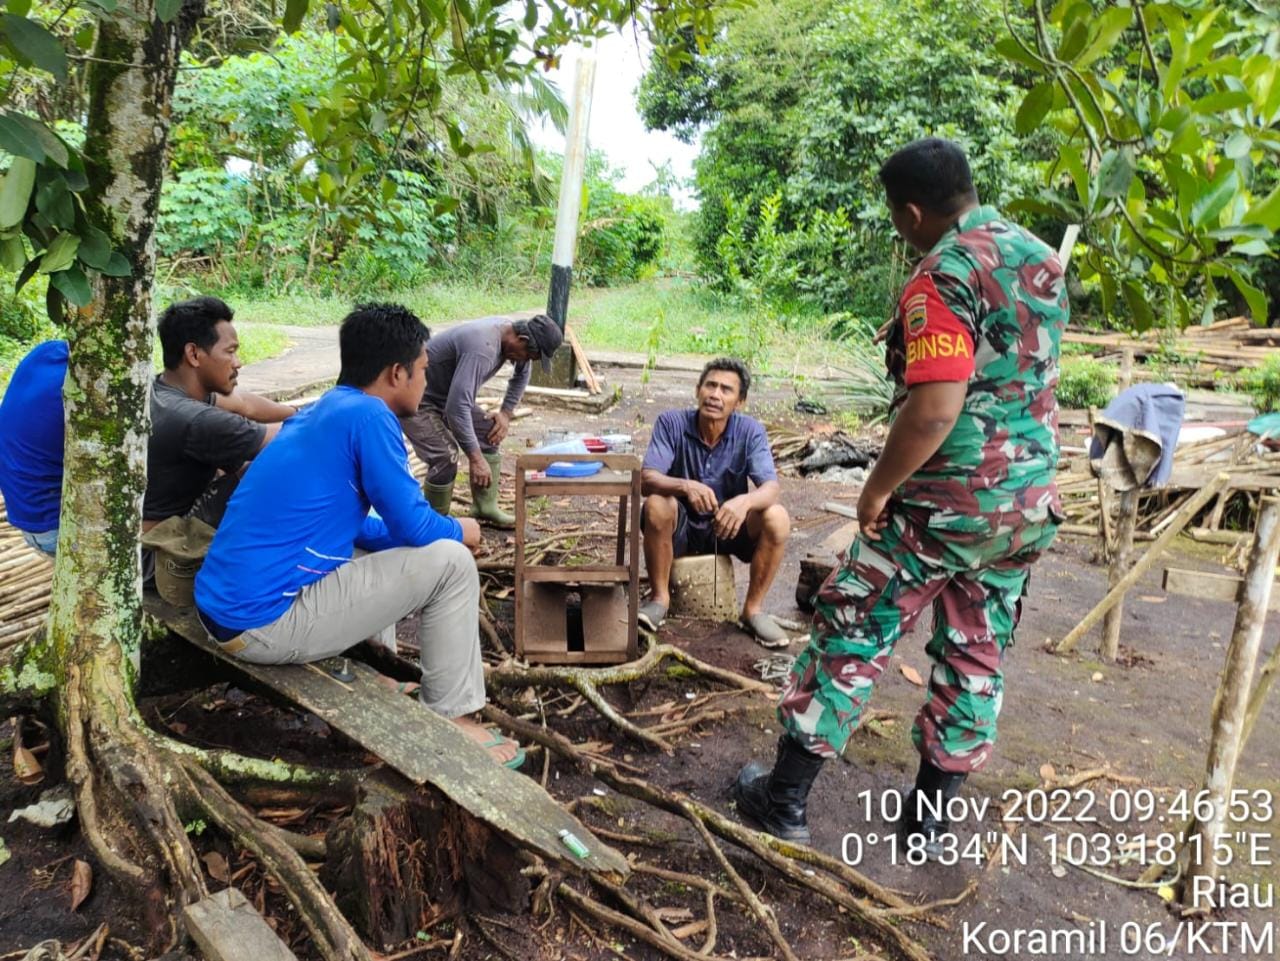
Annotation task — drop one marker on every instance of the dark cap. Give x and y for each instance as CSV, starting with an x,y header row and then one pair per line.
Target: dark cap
x,y
545,337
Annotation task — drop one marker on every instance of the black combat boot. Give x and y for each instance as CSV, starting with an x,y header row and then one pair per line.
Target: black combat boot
x,y
776,799
938,787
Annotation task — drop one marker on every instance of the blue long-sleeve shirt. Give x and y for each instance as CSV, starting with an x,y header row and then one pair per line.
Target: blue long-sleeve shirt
x,y
304,505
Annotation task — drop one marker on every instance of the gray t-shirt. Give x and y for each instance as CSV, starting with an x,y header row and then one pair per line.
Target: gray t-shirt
x,y
459,360
190,441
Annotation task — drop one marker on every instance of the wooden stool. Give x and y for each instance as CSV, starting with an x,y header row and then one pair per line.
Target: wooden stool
x,y
581,614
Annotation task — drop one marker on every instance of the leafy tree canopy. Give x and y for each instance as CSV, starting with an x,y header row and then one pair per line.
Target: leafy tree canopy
x,y
1165,112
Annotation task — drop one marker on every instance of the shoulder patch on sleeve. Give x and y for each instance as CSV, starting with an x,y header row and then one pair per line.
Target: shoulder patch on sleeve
x,y
939,345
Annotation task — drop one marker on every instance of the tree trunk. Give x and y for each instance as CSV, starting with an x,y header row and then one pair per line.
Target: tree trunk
x,y
92,644
1230,705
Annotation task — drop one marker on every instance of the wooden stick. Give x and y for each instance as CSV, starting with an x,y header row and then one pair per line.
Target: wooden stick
x,y
1231,704
580,357
1183,518
1120,554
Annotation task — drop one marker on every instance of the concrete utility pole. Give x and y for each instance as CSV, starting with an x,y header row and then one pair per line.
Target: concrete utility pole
x,y
575,162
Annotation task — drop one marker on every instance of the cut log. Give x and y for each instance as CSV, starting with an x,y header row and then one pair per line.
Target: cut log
x,y
418,743
226,927
406,858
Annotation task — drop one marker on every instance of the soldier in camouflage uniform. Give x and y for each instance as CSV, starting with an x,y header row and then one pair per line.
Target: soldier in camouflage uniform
x,y
958,506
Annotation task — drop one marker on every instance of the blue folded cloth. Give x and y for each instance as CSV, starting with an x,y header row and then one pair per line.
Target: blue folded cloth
x,y
1134,438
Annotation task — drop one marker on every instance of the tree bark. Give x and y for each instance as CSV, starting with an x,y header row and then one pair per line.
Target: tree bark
x,y
1230,706
95,620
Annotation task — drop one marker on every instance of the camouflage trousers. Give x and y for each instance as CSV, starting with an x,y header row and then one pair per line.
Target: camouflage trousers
x,y
974,578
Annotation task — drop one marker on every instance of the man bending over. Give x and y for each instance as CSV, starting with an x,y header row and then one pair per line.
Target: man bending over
x,y
328,539
696,499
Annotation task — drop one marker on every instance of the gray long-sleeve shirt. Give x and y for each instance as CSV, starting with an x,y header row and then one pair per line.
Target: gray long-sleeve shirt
x,y
459,360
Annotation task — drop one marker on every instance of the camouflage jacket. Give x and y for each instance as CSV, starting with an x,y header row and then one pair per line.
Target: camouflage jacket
x,y
989,303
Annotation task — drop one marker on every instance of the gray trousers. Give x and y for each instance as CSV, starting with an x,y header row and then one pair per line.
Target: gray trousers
x,y
434,443
367,596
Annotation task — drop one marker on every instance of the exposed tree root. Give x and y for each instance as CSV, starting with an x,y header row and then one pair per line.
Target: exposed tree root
x,y
587,682
788,859
123,796
333,936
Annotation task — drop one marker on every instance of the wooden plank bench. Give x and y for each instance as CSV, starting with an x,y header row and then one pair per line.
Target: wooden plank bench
x,y
418,743
1209,587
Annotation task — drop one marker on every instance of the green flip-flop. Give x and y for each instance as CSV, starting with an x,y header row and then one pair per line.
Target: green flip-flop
x,y
498,739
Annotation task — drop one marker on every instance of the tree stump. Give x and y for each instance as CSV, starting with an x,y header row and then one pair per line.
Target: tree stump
x,y
407,858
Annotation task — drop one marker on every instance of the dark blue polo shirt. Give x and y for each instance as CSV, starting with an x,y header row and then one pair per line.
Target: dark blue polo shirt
x,y
741,454
31,435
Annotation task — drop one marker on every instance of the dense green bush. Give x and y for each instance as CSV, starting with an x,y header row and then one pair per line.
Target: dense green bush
x,y
1084,382
1262,384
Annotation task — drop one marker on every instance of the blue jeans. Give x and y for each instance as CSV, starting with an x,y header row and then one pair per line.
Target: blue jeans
x,y
46,543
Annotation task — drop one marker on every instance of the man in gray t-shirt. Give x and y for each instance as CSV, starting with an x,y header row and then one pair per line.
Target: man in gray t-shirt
x,y
459,360
200,423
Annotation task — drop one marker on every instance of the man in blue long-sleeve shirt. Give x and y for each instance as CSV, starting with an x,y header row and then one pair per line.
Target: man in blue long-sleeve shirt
x,y
328,539
448,418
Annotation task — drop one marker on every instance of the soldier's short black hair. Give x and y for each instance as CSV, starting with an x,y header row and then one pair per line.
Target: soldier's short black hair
x,y
193,321
375,336
932,173
733,366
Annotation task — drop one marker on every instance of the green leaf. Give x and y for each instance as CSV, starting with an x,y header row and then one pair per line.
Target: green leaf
x,y
294,12
60,254
27,273
1115,172
1252,248
13,254
50,142
1266,211
1109,27
18,140
117,265
15,192
1139,310
1035,105
19,7
32,43
95,248
1074,37
530,14
54,201
166,10
1221,102
1010,49
72,284
1254,297
1215,197
388,189
1238,145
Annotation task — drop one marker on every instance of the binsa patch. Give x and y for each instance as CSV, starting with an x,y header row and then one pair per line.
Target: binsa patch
x,y
939,344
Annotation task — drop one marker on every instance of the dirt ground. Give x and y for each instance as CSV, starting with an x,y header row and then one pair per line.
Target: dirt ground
x,y
1145,721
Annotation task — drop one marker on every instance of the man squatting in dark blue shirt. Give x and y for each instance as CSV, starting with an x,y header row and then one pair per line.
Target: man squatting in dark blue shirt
x,y
354,546
697,501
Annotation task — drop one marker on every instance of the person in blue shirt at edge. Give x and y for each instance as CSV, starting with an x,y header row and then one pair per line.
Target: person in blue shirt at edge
x,y
328,539
697,501
200,424
31,437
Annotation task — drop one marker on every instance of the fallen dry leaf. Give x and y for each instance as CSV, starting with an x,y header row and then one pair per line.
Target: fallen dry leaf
x,y
216,865
81,883
1047,772
912,675
25,766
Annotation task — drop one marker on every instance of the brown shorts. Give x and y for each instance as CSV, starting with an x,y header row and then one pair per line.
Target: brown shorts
x,y
434,443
